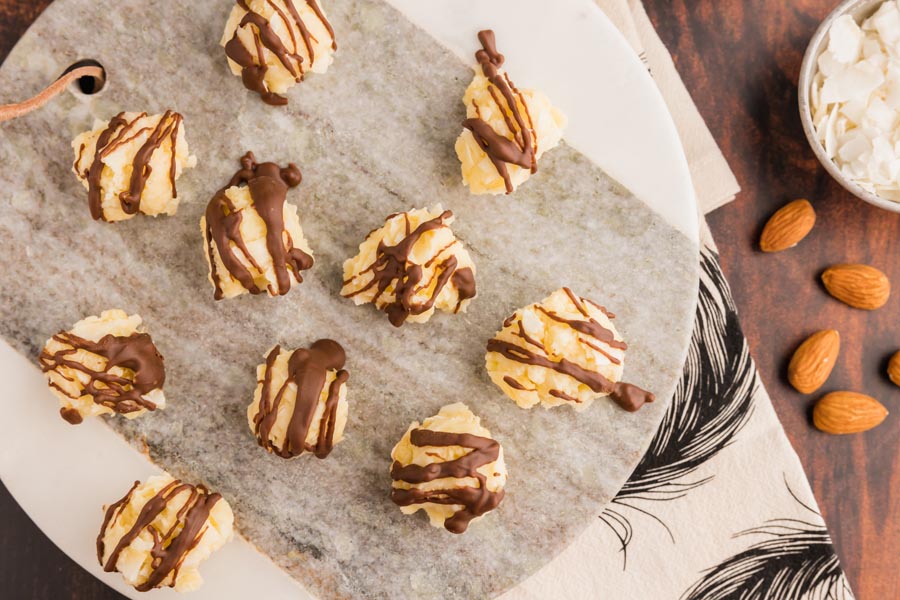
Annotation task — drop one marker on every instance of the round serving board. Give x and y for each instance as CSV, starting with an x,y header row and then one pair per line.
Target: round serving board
x,y
373,136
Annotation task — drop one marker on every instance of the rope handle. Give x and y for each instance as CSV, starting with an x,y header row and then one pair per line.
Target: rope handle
x,y
82,68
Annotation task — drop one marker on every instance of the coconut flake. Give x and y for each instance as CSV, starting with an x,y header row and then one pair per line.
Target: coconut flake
x,y
845,40
855,99
886,22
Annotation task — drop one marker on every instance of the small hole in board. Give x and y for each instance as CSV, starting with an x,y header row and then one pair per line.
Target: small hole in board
x,y
87,85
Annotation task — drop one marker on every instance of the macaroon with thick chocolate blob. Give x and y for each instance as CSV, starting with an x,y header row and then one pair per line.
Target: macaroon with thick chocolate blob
x,y
450,467
300,404
411,266
252,235
272,44
506,130
104,365
130,164
160,531
562,350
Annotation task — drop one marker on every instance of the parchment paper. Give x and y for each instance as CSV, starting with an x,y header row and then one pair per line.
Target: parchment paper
x,y
373,136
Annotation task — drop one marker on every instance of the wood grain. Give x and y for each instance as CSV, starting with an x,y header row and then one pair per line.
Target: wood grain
x,y
740,61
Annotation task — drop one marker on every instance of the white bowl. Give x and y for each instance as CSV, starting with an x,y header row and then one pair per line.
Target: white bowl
x,y
860,10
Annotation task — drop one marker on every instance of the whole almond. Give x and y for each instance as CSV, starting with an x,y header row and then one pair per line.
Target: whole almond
x,y
790,224
813,361
847,412
893,369
859,286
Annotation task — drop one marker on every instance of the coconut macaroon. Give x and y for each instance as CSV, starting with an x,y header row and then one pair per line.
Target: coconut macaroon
x,y
300,404
272,44
562,350
253,239
159,533
411,266
506,130
450,467
104,365
130,164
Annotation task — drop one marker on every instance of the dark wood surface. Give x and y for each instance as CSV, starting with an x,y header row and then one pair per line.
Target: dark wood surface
x,y
740,60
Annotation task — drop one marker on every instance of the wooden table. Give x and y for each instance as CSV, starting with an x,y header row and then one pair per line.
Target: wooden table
x,y
740,60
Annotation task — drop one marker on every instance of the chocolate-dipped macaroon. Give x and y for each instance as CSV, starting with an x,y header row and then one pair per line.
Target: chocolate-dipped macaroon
x,y
273,44
253,240
300,404
411,266
450,467
104,365
130,164
563,350
506,129
160,531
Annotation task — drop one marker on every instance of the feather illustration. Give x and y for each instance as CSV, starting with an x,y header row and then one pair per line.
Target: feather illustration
x,y
712,402
795,561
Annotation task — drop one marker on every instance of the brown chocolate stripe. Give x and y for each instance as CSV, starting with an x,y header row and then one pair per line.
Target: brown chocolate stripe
x,y
308,371
122,395
268,185
392,266
114,136
596,381
628,396
254,68
169,548
590,327
520,150
475,501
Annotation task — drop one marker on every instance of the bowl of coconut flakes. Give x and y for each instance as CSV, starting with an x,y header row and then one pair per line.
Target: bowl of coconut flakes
x,y
849,92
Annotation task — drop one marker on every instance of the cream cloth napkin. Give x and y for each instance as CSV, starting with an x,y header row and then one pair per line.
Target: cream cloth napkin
x,y
719,508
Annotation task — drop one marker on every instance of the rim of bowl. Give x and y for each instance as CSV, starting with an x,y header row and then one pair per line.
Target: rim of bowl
x,y
860,9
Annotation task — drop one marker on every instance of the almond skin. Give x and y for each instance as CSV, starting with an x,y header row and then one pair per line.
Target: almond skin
x,y
893,369
813,361
847,412
859,286
790,224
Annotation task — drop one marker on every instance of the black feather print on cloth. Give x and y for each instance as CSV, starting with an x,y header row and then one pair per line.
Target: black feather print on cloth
x,y
712,402
795,560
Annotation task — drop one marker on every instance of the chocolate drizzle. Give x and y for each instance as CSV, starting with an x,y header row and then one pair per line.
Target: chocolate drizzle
x,y
71,416
596,381
521,150
118,132
392,266
308,371
464,282
564,396
589,327
474,501
170,547
122,395
511,382
626,395
254,67
631,397
268,184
